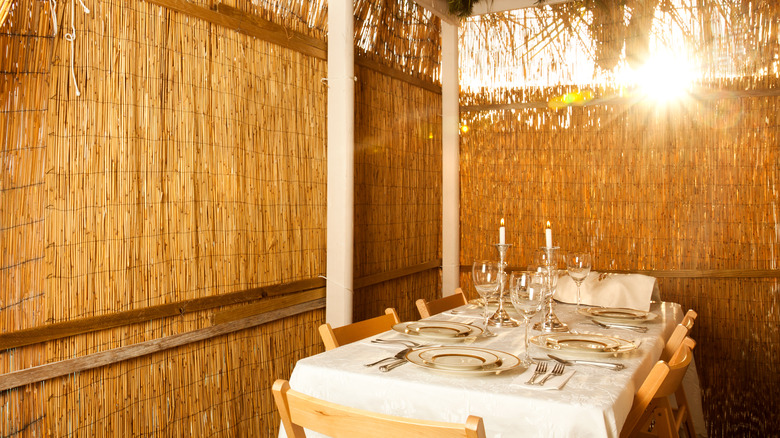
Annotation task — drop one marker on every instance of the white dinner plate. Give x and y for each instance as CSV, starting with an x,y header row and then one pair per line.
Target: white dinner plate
x,y
618,314
504,361
439,330
453,358
578,345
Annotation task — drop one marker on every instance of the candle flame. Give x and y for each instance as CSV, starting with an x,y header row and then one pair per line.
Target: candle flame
x,y
548,224
502,222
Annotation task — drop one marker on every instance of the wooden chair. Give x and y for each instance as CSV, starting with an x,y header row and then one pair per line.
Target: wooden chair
x,y
336,337
679,334
427,309
299,411
651,413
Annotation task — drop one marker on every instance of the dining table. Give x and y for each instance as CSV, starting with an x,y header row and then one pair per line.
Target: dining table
x,y
585,401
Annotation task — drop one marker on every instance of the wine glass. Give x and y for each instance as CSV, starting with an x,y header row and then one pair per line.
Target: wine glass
x,y
578,266
527,292
486,281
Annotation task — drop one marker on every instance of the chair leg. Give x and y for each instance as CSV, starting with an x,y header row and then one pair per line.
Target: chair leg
x,y
664,421
683,415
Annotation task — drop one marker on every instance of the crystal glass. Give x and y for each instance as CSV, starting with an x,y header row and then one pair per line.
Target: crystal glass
x,y
527,291
547,261
486,276
578,265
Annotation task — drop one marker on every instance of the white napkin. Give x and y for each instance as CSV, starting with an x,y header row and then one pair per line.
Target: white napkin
x,y
553,383
632,291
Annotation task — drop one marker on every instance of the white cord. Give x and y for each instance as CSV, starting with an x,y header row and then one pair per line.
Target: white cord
x,y
53,9
72,38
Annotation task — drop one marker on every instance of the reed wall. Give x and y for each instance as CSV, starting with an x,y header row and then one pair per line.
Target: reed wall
x,y
397,192
686,190
158,159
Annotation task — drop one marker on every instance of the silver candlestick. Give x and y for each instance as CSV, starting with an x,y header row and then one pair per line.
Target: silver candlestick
x,y
501,318
549,267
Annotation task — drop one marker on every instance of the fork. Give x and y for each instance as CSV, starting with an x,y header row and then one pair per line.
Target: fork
x,y
557,371
541,368
405,342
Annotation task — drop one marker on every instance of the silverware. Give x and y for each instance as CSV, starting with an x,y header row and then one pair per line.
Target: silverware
x,y
621,326
557,371
610,365
392,366
404,342
541,368
400,355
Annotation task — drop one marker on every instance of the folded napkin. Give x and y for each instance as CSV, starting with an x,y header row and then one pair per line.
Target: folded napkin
x,y
553,383
632,291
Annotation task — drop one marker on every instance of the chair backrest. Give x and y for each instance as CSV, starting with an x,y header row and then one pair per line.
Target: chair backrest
x,y
689,318
675,340
678,365
427,309
299,411
679,334
336,337
663,380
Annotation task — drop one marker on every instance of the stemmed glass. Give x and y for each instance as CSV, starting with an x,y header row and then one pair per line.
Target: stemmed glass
x,y
578,266
527,292
486,281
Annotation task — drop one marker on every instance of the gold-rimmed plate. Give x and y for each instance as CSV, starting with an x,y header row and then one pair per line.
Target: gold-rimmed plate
x,y
453,358
439,330
617,314
503,362
578,345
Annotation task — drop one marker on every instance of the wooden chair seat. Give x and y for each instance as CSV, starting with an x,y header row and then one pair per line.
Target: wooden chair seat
x,y
335,337
299,411
449,302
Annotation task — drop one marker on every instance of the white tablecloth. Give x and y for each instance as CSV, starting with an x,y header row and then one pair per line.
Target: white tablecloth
x,y
594,402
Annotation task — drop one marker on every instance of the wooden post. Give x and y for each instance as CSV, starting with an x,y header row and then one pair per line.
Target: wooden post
x,y
450,91
341,161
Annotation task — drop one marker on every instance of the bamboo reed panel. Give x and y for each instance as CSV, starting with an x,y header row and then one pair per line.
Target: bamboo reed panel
x,y
397,191
191,167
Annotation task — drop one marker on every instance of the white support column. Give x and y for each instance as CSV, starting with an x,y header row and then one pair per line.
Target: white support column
x,y
450,100
341,169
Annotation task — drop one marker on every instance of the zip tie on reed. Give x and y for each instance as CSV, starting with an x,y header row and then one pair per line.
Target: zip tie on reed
x,y
71,37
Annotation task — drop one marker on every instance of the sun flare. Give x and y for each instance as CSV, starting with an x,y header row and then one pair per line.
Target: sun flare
x,y
663,77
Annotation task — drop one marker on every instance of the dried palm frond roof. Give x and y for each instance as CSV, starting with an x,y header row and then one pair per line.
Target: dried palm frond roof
x,y
595,41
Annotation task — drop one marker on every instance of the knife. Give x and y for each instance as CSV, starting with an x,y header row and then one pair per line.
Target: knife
x,y
612,366
400,355
621,326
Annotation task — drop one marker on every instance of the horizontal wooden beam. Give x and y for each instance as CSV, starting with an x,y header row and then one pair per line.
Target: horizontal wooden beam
x,y
264,306
397,273
394,73
49,371
254,26
677,273
64,329
699,94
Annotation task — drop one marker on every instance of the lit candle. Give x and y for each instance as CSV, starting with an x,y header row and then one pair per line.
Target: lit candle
x,y
548,235
502,233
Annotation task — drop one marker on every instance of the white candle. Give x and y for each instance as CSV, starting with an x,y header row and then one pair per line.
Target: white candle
x,y
502,233
548,235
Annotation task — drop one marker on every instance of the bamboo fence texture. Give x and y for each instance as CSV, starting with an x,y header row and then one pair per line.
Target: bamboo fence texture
x,y
686,188
152,157
397,191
